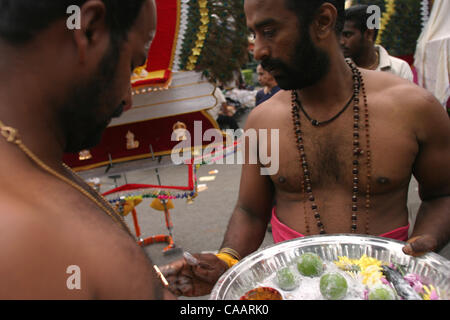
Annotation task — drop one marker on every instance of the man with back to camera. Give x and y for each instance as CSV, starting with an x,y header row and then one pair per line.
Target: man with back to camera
x,y
350,140
59,90
358,43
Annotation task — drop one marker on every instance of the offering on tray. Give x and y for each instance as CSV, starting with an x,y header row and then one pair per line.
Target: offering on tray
x,y
381,292
286,279
333,286
262,293
353,279
336,267
310,265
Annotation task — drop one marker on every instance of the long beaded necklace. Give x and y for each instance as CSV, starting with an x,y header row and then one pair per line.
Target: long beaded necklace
x,y
358,84
11,135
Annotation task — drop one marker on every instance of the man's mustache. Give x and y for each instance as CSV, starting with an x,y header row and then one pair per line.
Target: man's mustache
x,y
273,64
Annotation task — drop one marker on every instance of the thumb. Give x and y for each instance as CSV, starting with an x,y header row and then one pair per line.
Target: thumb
x,y
419,246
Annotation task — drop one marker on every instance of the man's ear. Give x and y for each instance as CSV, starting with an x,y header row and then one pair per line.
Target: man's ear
x,y
92,28
325,21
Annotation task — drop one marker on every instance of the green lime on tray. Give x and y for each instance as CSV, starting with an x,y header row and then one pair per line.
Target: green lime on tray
x,y
381,292
333,286
286,279
309,264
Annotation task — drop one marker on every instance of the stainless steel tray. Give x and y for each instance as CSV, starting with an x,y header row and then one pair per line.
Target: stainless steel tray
x,y
259,266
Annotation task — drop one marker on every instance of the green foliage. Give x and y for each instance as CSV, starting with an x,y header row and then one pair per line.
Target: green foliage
x,y
403,30
225,48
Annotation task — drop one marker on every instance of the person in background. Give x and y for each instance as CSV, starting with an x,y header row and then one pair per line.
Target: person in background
x,y
268,82
223,113
358,43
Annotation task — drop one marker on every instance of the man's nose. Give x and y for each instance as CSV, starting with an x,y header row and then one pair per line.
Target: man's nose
x,y
262,50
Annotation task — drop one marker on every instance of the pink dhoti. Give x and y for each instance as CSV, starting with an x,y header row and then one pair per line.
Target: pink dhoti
x,y
282,232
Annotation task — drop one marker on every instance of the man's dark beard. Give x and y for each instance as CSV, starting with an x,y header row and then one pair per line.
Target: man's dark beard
x,y
82,123
308,65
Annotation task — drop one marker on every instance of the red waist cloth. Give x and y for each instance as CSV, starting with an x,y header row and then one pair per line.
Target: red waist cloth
x,y
281,232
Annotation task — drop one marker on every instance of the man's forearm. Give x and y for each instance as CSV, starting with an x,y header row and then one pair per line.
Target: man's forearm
x,y
433,218
245,232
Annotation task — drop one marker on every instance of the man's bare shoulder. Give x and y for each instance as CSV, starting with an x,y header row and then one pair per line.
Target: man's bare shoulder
x,y
396,89
33,256
47,235
270,112
401,97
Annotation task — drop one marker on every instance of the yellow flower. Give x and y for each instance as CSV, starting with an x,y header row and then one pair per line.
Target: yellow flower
x,y
370,268
371,275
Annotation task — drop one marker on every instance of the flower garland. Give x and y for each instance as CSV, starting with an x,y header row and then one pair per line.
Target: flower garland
x,y
386,17
201,35
425,13
369,271
212,39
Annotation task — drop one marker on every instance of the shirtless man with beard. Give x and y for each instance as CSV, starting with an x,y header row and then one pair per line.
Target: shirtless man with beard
x,y
59,90
345,165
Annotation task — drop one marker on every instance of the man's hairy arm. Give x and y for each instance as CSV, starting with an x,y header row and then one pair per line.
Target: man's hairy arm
x,y
432,171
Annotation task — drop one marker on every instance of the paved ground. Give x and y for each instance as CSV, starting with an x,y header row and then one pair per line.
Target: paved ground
x,y
200,226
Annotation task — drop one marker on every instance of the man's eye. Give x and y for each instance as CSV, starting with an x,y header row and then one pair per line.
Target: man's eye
x,y
268,32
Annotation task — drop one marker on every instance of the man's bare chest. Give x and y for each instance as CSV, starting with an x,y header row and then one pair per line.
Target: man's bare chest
x,y
386,156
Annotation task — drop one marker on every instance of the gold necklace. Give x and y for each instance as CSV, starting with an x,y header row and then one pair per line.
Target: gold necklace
x,y
375,65
12,136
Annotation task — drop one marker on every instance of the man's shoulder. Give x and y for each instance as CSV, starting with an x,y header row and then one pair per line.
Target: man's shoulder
x,y
270,110
49,238
391,91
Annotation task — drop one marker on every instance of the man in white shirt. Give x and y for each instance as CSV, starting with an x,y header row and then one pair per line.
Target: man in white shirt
x,y
358,43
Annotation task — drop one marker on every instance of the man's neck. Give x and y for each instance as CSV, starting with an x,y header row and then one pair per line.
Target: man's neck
x,y
30,114
331,91
268,88
369,59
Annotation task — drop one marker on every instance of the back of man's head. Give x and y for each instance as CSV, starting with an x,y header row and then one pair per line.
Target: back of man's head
x,y
306,9
22,20
359,16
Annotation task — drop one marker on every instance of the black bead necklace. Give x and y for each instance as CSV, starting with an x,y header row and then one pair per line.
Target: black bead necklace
x,y
317,123
358,84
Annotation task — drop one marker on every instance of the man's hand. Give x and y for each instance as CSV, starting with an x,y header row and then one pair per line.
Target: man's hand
x,y
194,280
420,245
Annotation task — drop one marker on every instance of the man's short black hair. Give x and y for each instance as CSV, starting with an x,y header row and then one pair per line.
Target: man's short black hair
x,y
306,10
359,16
22,20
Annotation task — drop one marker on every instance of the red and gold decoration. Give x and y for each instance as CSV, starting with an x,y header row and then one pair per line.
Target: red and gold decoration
x,y
197,44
